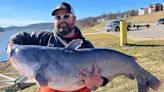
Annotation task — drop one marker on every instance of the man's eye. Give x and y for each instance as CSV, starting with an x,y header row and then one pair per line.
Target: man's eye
x,y
58,17
66,16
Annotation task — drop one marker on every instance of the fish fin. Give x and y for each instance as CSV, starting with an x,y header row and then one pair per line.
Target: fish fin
x,y
75,44
131,76
143,88
41,79
135,58
154,83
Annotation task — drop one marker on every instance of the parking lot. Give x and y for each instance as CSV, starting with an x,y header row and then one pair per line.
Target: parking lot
x,y
153,33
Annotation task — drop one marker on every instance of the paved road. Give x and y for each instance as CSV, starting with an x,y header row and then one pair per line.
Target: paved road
x,y
153,33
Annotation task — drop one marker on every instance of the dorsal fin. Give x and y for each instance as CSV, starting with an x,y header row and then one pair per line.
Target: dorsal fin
x,y
75,44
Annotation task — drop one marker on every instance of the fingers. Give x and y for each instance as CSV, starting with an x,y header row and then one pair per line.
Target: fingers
x,y
95,69
91,80
80,76
9,48
84,72
83,75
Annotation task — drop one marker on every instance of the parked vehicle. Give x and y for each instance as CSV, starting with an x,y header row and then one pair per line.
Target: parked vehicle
x,y
160,21
138,26
115,25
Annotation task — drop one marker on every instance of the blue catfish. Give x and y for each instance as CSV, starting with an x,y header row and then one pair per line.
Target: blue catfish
x,y
56,67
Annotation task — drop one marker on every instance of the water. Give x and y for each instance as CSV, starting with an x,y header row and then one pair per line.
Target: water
x,y
4,38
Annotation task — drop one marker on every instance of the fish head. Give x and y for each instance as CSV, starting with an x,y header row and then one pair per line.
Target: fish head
x,y
22,60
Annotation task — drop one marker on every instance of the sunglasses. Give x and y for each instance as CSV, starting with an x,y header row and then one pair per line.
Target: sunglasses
x,y
66,16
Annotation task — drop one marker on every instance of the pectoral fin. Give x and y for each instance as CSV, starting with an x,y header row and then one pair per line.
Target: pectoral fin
x,y
75,44
40,77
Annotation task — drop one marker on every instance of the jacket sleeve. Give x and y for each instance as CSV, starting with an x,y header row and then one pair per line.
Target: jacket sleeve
x,y
33,38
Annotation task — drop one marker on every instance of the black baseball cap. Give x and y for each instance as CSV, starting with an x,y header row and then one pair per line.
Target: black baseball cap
x,y
64,6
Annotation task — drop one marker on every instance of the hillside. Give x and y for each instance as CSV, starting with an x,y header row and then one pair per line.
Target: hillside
x,y
147,18
39,26
2,29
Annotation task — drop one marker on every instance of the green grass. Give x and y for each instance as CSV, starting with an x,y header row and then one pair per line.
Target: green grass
x,y
88,30
150,55
102,24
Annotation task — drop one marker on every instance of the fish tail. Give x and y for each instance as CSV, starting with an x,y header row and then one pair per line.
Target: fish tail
x,y
152,82
143,88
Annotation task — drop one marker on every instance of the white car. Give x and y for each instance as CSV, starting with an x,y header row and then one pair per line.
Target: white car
x,y
115,25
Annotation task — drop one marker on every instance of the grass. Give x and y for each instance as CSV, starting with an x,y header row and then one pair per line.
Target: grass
x,y
88,30
102,24
150,55
147,18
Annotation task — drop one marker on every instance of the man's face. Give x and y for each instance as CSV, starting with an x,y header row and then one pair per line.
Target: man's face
x,y
64,22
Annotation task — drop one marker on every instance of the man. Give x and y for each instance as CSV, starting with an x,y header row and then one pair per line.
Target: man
x,y
65,31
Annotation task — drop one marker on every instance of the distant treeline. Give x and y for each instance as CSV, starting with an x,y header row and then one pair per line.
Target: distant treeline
x,y
91,21
36,27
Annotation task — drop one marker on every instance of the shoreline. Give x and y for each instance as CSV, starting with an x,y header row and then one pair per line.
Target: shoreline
x,y
4,61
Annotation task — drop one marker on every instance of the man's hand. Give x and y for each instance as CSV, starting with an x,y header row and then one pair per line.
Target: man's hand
x,y
90,80
9,48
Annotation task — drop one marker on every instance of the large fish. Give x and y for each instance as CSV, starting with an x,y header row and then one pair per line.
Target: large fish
x,y
56,67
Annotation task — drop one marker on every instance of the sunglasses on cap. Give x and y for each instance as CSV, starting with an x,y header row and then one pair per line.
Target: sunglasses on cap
x,y
66,16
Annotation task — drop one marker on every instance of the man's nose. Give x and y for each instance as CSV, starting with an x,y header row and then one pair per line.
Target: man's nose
x,y
62,20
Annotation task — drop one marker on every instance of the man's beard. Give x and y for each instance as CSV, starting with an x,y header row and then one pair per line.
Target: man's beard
x,y
64,29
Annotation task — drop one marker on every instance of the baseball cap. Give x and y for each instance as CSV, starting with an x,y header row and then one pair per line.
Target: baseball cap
x,y
64,6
